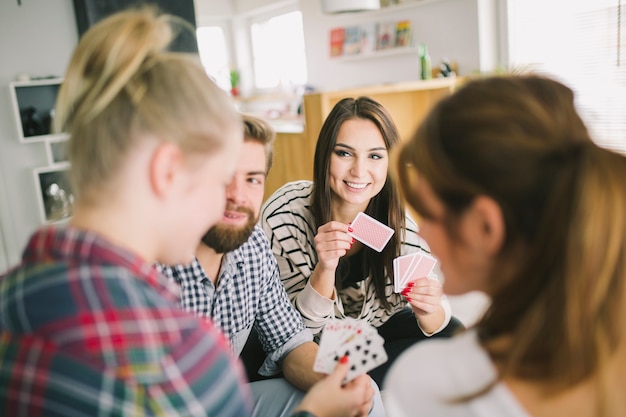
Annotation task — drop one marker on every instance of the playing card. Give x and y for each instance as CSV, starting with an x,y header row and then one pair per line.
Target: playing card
x,y
356,339
411,267
401,265
370,231
364,353
330,339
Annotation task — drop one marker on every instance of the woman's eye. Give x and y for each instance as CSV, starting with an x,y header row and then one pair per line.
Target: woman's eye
x,y
342,153
376,156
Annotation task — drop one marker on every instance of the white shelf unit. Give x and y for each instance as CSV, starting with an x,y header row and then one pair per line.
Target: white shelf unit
x,y
56,150
54,193
33,108
33,105
378,16
403,50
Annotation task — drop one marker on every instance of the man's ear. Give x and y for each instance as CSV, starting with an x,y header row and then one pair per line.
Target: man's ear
x,y
489,227
165,165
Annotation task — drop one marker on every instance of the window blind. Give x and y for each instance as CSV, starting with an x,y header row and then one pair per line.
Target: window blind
x,y
583,44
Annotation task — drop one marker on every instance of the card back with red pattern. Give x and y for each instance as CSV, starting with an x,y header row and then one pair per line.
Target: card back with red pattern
x,y
370,231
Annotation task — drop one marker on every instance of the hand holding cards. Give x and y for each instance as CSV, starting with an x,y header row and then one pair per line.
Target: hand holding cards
x,y
411,267
356,339
370,231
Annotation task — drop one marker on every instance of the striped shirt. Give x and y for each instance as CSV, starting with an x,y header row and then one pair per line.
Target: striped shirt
x,y
249,294
90,329
288,222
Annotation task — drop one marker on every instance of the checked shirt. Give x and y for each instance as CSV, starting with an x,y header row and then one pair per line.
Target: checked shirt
x,y
90,329
249,293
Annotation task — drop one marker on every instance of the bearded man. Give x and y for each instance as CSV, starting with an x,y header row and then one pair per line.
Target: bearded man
x,y
234,281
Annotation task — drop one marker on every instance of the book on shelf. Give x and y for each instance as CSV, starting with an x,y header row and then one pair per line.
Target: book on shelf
x,y
386,35
352,40
368,37
337,36
403,33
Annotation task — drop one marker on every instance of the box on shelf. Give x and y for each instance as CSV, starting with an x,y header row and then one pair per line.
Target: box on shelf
x,y
386,37
337,36
403,33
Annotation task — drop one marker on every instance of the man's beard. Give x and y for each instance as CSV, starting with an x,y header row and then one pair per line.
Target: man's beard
x,y
222,238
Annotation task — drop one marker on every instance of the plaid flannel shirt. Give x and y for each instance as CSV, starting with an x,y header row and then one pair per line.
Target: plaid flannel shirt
x,y
249,293
89,329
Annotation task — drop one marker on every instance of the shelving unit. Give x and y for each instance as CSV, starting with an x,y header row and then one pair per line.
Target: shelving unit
x,y
54,193
404,50
365,20
33,105
33,108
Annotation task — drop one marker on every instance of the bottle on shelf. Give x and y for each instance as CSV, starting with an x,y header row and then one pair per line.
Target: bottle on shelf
x,y
425,64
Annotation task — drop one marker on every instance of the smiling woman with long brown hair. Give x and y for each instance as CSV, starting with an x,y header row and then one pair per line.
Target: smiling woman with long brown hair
x,y
326,273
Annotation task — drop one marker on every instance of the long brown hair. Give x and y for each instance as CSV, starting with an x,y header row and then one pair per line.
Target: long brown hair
x,y
559,291
385,206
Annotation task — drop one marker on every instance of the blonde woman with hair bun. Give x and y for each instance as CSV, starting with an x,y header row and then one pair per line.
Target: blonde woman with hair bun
x,y
87,325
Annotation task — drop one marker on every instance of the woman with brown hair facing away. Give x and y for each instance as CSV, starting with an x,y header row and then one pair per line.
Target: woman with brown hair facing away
x,y
517,202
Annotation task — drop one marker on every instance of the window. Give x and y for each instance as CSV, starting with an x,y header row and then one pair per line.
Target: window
x,y
582,43
278,51
214,54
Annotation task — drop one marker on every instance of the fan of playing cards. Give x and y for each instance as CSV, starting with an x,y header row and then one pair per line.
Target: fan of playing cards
x,y
356,339
411,267
375,234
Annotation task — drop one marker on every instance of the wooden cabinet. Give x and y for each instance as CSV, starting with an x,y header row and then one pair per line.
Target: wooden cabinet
x,y
293,160
407,102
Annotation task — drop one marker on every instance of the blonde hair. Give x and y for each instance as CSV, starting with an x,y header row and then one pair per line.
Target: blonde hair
x,y
258,130
559,284
122,83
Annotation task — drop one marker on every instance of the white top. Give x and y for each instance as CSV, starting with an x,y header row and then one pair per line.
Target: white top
x,y
427,378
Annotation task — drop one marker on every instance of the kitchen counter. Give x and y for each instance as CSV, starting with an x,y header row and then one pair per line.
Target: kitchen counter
x,y
288,125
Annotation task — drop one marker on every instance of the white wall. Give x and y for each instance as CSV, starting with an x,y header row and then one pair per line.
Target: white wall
x,y
465,31
451,29
207,10
36,38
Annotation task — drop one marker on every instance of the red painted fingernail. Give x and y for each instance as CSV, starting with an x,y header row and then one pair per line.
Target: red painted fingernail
x,y
405,291
352,241
350,229
411,284
408,299
344,359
